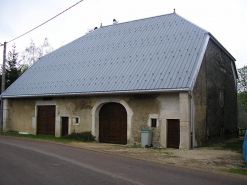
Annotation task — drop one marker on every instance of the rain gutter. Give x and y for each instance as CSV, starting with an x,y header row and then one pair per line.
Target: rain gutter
x,y
95,93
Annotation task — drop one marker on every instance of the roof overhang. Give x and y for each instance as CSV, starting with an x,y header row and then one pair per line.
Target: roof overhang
x,y
98,93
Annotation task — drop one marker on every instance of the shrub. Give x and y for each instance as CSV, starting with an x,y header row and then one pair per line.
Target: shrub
x,y
12,132
82,136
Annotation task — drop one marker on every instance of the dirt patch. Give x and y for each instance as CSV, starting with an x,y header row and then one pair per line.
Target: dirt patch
x,y
205,158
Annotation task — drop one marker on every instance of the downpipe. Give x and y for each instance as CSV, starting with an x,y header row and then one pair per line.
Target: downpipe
x,y
191,121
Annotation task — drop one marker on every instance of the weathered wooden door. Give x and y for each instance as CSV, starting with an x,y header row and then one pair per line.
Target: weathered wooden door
x,y
46,120
65,126
113,124
173,135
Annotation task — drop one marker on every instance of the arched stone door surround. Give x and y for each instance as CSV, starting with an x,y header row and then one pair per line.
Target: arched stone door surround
x,y
95,115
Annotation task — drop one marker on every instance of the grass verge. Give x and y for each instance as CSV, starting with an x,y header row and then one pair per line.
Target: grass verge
x,y
43,137
238,171
235,145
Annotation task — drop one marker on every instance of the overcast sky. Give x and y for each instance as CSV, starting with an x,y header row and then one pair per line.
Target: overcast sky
x,y
225,19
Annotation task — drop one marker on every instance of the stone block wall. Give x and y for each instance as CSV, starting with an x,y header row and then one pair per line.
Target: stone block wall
x,y
221,93
215,97
199,95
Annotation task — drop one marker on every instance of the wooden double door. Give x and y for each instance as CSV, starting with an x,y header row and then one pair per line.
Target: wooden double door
x,y
46,120
113,124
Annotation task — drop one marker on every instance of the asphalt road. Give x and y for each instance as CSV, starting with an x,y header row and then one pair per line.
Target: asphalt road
x,y
25,161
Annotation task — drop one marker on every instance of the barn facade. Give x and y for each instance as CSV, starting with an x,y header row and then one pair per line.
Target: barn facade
x,y
161,73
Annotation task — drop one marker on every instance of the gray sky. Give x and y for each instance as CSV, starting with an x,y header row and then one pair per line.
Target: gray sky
x,y
225,19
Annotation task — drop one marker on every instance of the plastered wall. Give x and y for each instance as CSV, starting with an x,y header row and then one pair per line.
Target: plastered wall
x,y
22,114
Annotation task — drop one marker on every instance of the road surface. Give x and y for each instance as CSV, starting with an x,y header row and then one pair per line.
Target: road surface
x,y
26,161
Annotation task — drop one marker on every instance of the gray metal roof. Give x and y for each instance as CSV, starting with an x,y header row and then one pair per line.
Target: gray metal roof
x,y
153,54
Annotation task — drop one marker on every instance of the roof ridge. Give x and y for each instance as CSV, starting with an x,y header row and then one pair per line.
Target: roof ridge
x,y
191,22
138,20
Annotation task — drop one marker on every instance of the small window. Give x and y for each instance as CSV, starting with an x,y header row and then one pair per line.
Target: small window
x,y
76,120
222,98
153,122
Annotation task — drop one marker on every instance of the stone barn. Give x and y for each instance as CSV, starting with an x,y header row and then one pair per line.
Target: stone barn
x,y
162,73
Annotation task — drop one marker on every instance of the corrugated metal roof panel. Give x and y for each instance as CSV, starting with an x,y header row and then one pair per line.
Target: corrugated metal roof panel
x,y
149,54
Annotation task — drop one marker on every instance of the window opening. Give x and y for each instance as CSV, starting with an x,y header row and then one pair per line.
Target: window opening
x,y
222,98
153,122
76,120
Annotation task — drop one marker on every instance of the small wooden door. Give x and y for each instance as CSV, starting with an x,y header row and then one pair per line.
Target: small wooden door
x,y
65,126
113,124
46,120
173,135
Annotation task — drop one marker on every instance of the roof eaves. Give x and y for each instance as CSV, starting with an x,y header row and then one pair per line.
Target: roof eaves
x,y
95,93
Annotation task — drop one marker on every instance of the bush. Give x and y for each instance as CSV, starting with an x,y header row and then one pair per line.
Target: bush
x,y
82,136
12,132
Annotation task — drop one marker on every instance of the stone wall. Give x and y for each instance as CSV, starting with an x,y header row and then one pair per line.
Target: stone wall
x,y
215,97
18,114
22,114
221,115
199,95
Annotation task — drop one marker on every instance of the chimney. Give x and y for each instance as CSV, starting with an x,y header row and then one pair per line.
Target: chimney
x,y
115,21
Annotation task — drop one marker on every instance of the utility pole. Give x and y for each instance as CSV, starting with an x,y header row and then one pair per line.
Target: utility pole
x,y
3,83
3,70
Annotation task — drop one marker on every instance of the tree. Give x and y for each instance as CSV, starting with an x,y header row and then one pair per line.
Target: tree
x,y
13,67
242,96
32,53
242,87
242,79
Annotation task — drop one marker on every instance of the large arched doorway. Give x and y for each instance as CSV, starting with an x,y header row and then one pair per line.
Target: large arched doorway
x,y
113,124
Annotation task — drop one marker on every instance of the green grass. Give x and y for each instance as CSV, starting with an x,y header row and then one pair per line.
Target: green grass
x,y
43,137
235,145
238,171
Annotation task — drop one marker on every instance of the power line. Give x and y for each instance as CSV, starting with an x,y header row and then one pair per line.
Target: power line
x,y
45,22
